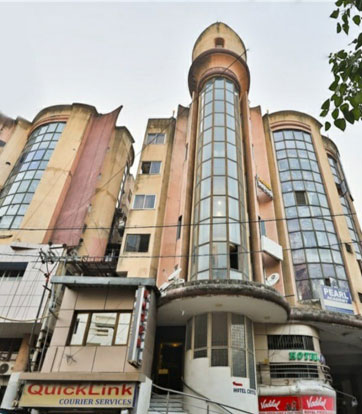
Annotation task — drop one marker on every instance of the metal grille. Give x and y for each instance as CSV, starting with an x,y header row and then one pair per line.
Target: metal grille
x,y
290,342
293,371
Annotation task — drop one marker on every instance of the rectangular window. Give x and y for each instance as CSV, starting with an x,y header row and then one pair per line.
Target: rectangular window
x,y
301,198
137,243
155,138
262,227
179,228
150,167
143,201
101,328
12,270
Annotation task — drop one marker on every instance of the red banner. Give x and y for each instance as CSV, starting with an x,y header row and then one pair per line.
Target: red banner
x,y
305,404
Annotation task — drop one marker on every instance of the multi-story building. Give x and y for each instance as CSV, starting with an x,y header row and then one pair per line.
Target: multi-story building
x,y
63,178
238,285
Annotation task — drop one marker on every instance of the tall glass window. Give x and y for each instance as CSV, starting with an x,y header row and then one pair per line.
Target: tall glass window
x,y
343,194
219,239
20,187
316,251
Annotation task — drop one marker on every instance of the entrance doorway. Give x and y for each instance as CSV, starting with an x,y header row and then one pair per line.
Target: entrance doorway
x,y
169,357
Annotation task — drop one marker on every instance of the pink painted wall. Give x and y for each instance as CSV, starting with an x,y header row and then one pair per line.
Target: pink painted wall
x,y
169,245
266,206
84,180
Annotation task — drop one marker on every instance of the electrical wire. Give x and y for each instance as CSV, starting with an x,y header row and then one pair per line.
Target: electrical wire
x,y
156,226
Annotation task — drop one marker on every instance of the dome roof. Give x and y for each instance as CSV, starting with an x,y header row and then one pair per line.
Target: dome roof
x,y
219,35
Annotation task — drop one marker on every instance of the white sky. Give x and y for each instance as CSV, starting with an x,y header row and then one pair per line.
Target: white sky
x,y
138,55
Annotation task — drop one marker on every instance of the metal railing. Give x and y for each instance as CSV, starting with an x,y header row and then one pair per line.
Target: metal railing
x,y
278,372
207,409
225,410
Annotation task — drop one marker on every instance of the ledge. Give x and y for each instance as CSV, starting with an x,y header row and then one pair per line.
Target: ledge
x,y
317,315
257,301
96,281
226,287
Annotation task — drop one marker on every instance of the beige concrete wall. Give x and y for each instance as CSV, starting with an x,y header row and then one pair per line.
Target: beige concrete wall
x,y
149,221
206,40
50,193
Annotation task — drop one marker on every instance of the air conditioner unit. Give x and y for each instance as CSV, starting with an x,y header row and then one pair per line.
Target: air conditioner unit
x,y
6,368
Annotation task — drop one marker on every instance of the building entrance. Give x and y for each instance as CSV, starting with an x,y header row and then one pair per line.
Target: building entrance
x,y
169,357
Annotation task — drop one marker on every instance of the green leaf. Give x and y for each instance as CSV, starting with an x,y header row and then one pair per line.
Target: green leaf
x,y
333,85
339,27
335,14
337,99
356,19
326,104
335,113
345,28
340,123
349,115
356,113
324,113
327,125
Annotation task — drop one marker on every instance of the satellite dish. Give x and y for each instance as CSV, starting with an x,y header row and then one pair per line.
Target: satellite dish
x,y
272,279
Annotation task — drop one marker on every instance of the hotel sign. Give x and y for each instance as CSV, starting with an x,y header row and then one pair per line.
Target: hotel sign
x,y
336,300
78,395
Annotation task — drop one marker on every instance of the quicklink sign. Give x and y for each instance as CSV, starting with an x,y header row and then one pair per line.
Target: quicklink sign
x,y
78,395
303,356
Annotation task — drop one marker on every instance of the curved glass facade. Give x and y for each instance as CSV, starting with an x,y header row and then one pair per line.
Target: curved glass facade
x,y
343,194
20,186
315,249
219,240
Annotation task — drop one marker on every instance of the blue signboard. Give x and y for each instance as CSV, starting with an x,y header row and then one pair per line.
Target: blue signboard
x,y
336,300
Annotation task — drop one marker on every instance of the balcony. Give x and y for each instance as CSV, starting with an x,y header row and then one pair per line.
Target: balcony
x,y
271,248
280,373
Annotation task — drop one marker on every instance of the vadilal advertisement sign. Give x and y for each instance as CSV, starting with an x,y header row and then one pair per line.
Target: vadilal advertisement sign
x,y
303,404
78,395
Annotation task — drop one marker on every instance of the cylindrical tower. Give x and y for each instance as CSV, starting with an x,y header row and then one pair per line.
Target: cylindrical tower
x,y
220,302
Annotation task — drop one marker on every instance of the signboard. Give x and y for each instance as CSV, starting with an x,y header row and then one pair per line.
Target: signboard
x,y
303,355
304,404
336,300
78,395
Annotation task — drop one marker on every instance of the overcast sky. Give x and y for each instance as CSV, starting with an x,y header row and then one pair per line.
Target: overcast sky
x,y
138,55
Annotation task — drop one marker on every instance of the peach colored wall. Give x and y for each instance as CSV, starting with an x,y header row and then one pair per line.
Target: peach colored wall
x,y
265,204
169,245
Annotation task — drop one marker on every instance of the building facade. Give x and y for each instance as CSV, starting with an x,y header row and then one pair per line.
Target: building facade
x,y
237,280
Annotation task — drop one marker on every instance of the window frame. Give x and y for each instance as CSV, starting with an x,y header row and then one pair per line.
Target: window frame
x,y
154,140
150,168
138,243
88,324
145,196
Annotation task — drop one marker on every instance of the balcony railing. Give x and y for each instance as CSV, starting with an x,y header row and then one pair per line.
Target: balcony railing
x,y
278,373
